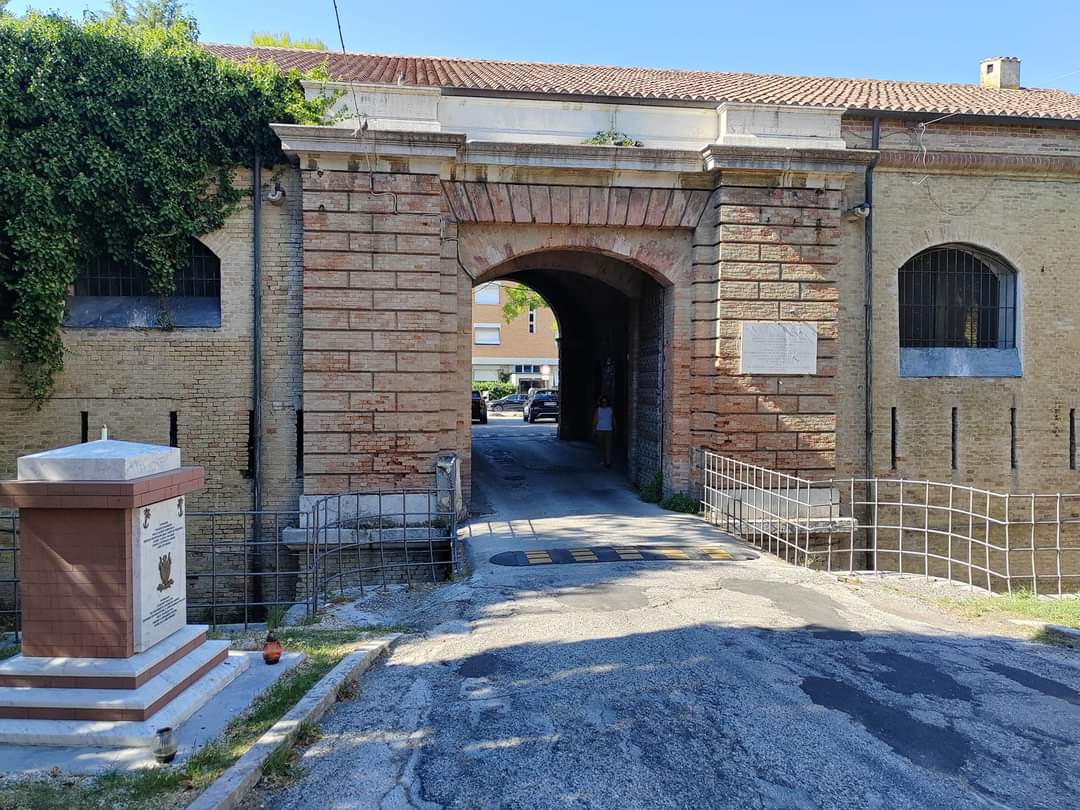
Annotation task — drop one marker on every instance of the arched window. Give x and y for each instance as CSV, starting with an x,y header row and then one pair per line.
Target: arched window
x,y
108,293
957,297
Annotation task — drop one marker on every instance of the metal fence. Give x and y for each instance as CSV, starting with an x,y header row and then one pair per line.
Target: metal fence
x,y
993,541
9,573
242,565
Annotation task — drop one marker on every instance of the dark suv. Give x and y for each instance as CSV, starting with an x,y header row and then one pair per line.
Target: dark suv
x,y
542,404
479,408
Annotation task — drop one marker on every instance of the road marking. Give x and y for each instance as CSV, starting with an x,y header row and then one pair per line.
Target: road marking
x,y
642,553
674,553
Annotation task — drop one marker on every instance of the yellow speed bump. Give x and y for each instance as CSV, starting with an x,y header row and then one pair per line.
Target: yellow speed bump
x,y
628,553
583,555
538,557
674,553
717,553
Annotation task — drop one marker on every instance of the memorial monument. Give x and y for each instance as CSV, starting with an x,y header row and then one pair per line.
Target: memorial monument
x,y
107,654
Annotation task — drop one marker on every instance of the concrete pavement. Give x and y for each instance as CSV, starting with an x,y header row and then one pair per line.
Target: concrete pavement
x,y
676,684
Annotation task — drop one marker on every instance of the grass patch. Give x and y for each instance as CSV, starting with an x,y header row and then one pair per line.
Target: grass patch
x,y
681,503
176,787
8,651
652,490
1020,605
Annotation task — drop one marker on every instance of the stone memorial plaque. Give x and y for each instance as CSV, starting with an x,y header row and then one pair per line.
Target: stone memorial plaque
x,y
160,588
778,347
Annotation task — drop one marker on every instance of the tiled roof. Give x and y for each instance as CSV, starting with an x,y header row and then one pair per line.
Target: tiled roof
x,y
672,85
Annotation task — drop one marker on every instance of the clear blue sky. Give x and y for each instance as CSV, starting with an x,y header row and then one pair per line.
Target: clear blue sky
x,y
916,40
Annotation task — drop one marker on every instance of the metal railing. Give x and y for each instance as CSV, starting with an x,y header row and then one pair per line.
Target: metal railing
x,y
368,538
10,609
984,539
243,564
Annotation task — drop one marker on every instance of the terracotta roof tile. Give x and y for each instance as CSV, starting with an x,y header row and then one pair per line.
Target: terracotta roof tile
x,y
679,85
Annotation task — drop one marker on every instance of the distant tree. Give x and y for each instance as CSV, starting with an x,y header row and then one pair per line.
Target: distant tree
x,y
3,8
283,39
519,299
170,15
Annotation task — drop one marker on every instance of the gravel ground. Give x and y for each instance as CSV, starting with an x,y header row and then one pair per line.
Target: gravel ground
x,y
671,684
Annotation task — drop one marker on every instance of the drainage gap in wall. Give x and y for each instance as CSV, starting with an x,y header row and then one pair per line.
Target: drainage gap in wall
x,y
1012,438
299,443
893,438
85,418
1072,438
174,439
954,437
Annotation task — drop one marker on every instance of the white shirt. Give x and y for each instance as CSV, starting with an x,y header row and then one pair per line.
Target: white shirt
x,y
605,418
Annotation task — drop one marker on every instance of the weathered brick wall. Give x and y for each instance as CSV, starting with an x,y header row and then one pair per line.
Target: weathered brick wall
x,y
1025,220
131,379
381,319
776,260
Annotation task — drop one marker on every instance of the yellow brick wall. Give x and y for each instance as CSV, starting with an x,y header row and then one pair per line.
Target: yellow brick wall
x,y
131,379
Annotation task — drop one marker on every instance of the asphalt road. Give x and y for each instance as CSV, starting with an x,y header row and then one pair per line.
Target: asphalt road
x,y
680,683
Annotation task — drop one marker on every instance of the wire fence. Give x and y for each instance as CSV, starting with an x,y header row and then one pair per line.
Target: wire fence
x,y
988,540
244,566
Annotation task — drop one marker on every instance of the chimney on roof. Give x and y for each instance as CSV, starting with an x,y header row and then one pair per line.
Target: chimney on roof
x,y
1000,72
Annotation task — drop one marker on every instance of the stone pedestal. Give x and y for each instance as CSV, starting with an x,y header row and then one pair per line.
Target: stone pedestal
x,y
102,569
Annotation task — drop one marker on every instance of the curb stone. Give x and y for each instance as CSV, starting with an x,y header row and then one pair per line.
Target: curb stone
x,y
229,789
1067,633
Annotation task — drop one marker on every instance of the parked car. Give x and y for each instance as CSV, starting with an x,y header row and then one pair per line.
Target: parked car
x,y
514,402
479,408
542,404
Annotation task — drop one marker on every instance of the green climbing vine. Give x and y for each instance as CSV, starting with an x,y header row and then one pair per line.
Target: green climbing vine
x,y
117,141
611,138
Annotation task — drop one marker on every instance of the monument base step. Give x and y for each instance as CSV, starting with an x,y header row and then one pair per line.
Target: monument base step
x,y
38,703
102,673
126,733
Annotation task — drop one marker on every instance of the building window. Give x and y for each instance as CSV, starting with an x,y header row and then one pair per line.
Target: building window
x,y
532,320
957,298
526,369
958,314
487,334
108,293
487,294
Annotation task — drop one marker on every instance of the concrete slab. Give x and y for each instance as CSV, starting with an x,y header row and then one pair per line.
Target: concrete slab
x,y
201,727
103,460
125,734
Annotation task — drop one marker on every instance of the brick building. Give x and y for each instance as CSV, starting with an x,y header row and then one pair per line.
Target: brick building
x,y
523,352
734,283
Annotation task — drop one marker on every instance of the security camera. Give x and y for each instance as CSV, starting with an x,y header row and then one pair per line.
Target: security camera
x,y
861,211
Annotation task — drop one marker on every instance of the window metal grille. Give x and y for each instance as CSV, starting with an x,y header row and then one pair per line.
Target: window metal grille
x,y
200,277
955,297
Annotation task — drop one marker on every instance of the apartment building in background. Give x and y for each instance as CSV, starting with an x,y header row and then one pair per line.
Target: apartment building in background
x,y
524,352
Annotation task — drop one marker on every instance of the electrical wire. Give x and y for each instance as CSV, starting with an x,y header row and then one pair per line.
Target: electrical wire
x,y
362,123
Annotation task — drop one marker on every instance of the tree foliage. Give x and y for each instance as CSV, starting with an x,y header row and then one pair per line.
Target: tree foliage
x,y
284,39
155,14
520,299
120,141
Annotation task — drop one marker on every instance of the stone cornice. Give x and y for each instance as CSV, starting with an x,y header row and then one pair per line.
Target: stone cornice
x,y
996,163
818,161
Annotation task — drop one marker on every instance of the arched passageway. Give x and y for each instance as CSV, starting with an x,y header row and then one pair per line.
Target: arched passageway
x,y
614,329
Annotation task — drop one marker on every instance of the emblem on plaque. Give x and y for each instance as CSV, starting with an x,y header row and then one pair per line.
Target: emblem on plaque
x,y
165,570
179,507
146,518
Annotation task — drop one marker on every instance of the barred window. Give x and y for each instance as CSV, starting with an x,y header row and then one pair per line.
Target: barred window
x,y
200,277
955,296
117,295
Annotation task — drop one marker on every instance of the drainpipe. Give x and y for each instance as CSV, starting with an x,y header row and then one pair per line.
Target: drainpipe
x,y
868,277
256,333
868,346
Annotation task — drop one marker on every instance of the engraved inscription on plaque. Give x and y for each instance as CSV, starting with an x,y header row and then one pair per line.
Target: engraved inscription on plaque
x,y
159,567
778,347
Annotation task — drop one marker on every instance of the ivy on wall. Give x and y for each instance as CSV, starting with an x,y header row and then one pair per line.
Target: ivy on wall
x,y
117,141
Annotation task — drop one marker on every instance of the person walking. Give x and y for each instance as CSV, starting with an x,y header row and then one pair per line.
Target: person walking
x,y
604,425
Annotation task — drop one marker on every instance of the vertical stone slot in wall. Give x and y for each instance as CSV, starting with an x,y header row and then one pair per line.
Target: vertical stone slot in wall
x,y
892,439
954,434
84,419
648,399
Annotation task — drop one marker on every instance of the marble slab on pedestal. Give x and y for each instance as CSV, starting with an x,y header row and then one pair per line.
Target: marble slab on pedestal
x,y
102,460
